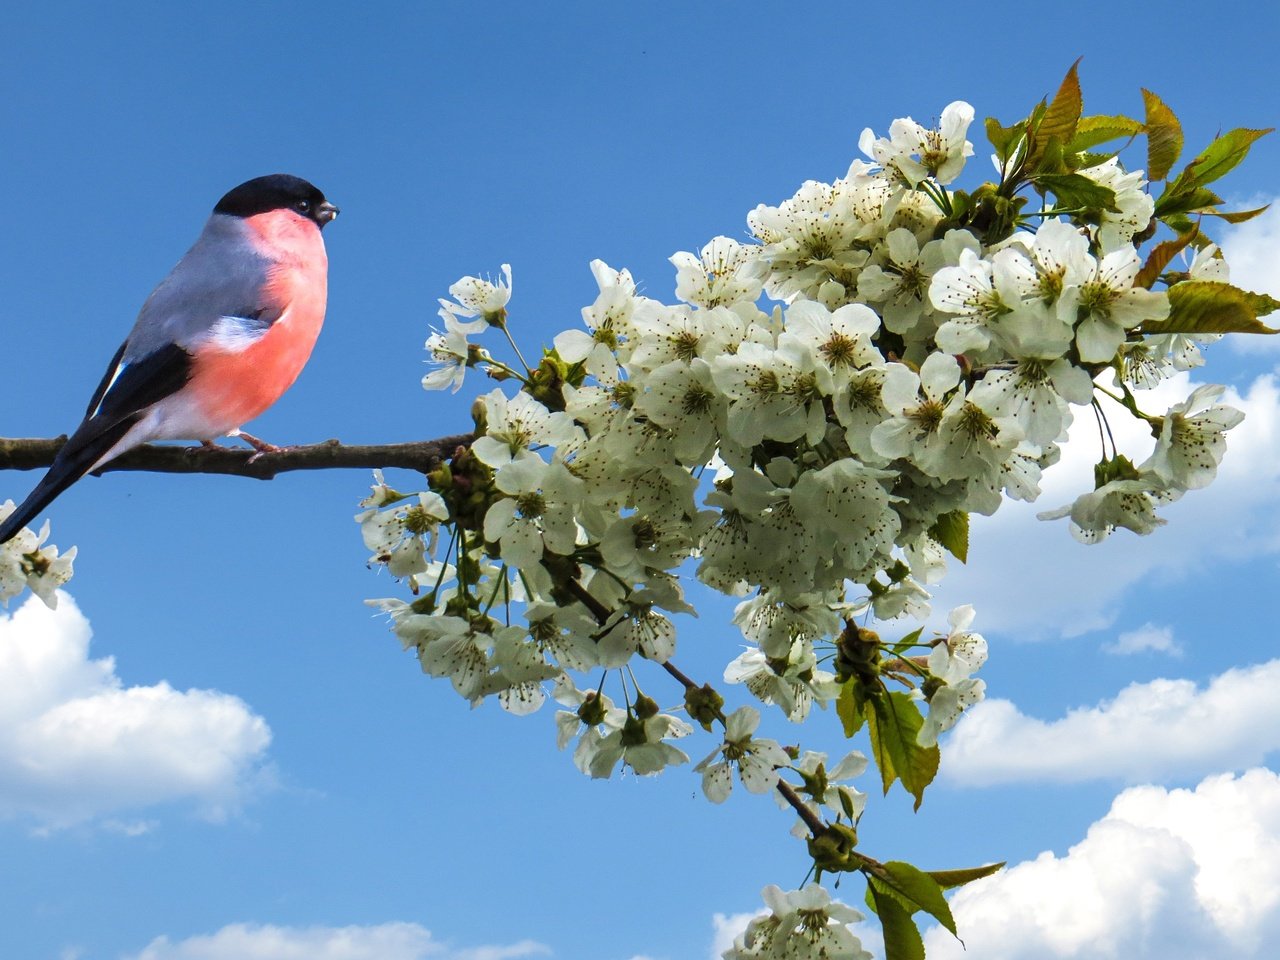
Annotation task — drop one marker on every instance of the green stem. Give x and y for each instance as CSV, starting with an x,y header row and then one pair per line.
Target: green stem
x,y
519,356
498,584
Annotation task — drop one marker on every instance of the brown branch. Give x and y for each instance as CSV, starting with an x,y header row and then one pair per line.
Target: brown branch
x,y
811,820
424,456
584,596
814,822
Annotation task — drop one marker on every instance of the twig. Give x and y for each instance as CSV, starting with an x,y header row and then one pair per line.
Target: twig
x,y
425,455
601,613
811,819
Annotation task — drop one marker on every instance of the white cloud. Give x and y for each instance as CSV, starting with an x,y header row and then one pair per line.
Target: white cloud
x,y
1252,250
1150,731
726,929
1165,875
1147,638
76,744
387,941
1030,578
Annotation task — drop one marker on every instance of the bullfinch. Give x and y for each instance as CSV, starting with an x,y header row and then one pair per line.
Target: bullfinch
x,y
217,342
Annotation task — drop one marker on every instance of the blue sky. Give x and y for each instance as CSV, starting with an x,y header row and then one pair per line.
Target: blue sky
x,y
292,773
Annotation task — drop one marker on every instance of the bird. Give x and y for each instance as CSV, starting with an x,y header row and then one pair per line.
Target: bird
x,y
217,342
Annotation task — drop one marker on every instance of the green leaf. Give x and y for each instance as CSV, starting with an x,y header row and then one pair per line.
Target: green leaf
x,y
1221,156
1210,306
1075,190
918,888
1180,223
948,879
1063,113
1160,257
1238,216
912,638
851,706
1005,139
952,531
1261,303
1091,159
1092,131
893,721
1184,200
1164,136
901,937
1053,158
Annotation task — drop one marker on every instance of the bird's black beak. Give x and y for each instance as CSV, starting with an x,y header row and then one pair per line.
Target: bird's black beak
x,y
326,212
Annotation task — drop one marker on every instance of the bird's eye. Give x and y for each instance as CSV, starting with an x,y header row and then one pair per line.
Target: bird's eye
x,y
303,206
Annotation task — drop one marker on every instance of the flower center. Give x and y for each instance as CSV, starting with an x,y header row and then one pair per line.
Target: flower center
x,y
839,350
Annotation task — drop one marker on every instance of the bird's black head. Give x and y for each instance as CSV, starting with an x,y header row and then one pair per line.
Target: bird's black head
x,y
278,191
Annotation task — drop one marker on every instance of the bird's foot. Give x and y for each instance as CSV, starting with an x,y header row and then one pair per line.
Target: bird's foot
x,y
260,445
257,443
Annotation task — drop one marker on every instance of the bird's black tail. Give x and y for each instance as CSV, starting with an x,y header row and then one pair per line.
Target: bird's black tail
x,y
74,460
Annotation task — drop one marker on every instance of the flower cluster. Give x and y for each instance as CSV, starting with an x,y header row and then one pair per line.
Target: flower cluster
x,y
25,562
911,373
800,923
807,427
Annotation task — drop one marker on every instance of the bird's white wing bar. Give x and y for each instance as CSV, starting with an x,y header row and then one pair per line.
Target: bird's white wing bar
x,y
106,388
234,334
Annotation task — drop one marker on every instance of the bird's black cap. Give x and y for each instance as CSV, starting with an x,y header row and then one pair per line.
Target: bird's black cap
x,y
277,191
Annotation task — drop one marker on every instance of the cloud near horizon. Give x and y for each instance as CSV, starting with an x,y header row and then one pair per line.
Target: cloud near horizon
x,y
1155,731
78,745
1165,875
387,941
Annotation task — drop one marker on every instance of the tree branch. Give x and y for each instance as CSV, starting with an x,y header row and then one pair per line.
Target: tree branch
x,y
424,456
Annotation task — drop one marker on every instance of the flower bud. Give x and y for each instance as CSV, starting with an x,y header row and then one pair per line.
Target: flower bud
x,y
592,710
644,707
704,704
833,850
857,653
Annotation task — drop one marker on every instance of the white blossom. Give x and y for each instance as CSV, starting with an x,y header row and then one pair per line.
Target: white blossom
x,y
721,273
1111,306
483,299
25,563
1191,444
757,760
803,924
1134,205
953,663
916,153
515,424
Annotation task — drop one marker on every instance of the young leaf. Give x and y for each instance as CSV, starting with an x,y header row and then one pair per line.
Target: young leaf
x,y
912,638
1210,306
948,879
1076,191
1220,157
1238,216
901,938
1092,131
1063,113
1164,136
1184,199
952,531
851,706
1005,139
893,721
1160,258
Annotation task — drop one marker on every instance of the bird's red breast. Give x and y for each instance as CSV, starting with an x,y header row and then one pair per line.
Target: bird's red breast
x,y
231,385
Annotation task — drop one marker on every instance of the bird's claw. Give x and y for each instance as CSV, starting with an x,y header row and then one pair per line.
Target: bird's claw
x,y
259,445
